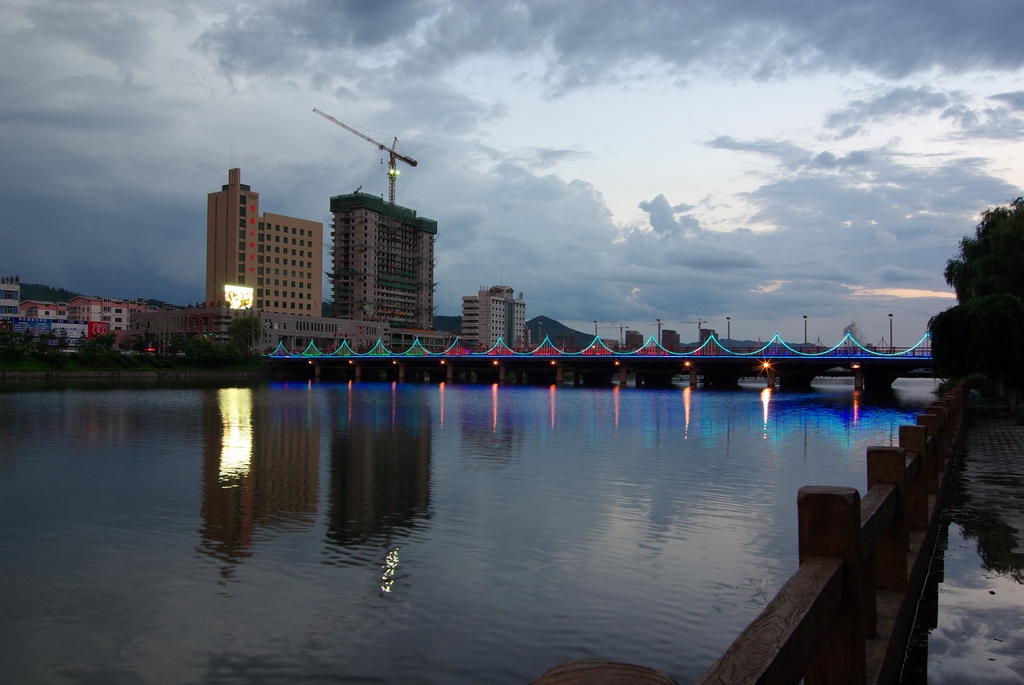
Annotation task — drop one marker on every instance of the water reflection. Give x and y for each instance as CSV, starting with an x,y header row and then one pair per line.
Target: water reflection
x,y
766,398
260,469
380,461
236,443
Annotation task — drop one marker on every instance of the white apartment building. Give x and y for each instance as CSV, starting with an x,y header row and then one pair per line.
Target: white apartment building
x,y
10,296
494,314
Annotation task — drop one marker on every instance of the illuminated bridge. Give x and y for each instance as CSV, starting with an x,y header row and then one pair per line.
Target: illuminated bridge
x,y
712,364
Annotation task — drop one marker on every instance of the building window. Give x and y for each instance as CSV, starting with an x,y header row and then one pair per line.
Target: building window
x,y
241,223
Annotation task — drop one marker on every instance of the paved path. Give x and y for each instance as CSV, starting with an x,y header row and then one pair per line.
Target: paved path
x,y
980,633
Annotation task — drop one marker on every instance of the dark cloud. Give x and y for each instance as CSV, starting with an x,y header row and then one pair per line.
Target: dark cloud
x,y
1013,100
670,220
1004,120
107,30
583,44
897,102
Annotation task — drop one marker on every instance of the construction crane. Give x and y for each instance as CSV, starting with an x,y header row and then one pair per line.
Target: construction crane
x,y
394,156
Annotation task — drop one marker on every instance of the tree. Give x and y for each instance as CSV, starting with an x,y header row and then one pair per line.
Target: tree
x,y
245,333
984,333
992,261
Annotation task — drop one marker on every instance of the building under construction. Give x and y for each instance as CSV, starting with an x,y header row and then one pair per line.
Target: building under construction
x,y
383,262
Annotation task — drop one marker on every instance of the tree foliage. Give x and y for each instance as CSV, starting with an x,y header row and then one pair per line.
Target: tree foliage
x,y
984,333
992,261
983,336
245,333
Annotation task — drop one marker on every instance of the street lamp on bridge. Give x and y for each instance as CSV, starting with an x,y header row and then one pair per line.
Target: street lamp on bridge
x,y
728,330
892,345
805,329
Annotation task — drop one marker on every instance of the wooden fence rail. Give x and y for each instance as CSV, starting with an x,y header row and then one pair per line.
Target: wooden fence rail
x,y
846,614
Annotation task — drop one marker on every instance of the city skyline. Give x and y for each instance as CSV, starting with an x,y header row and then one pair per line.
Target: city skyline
x,y
673,161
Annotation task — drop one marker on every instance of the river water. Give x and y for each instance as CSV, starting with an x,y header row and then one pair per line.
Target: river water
x,y
405,533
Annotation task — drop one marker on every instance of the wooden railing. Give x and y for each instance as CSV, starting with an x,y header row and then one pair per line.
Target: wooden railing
x,y
846,614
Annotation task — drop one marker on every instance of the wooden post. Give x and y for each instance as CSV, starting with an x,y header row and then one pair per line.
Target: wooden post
x,y
889,465
914,439
930,422
829,525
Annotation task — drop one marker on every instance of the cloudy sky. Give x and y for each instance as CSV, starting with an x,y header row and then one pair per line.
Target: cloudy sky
x,y
615,161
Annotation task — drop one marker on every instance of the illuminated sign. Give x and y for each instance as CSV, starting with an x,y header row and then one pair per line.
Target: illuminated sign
x,y
98,328
238,296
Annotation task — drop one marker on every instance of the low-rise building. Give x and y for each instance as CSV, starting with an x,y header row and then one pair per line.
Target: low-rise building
x,y
115,313
43,310
294,332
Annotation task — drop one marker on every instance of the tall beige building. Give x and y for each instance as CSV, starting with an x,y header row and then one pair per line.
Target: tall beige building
x,y
280,257
383,262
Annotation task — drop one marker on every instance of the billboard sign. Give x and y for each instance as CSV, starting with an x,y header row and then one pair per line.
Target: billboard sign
x,y
238,296
98,328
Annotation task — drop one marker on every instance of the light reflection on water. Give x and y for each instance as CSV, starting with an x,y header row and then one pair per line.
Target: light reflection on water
x,y
253,534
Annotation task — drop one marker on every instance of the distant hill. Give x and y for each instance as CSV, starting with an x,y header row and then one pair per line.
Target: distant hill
x,y
45,293
560,334
449,324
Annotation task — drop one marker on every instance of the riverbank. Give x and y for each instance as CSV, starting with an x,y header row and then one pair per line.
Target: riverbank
x,y
970,626
114,365
133,374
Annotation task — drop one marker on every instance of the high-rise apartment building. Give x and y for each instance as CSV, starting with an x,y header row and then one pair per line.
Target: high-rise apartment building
x,y
494,313
383,262
280,257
